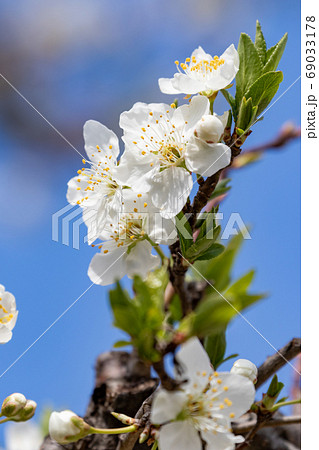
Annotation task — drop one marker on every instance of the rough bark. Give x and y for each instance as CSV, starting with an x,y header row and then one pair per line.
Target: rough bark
x,y
123,382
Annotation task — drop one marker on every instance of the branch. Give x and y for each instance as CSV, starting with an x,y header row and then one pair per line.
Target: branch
x,y
279,359
245,427
287,132
127,441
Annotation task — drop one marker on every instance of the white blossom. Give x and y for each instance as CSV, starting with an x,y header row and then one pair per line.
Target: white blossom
x,y
202,72
66,427
95,189
162,151
245,368
8,315
125,248
204,405
23,436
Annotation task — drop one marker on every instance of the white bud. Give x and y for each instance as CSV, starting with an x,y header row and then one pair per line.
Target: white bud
x,y
210,128
245,368
26,413
13,404
66,427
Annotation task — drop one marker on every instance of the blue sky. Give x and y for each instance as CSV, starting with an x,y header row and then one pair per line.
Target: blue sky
x,y
94,70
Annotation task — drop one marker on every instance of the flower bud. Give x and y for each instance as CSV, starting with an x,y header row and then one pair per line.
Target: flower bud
x,y
26,413
66,427
124,419
245,368
209,129
13,404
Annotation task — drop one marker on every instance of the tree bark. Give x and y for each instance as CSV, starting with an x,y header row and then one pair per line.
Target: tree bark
x,y
123,382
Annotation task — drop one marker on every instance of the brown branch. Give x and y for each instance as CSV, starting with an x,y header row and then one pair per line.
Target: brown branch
x,y
245,427
279,359
287,132
128,441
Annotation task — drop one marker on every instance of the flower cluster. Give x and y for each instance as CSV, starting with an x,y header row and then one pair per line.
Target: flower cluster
x,y
204,406
130,202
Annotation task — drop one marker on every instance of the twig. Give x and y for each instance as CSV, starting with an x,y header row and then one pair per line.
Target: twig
x,y
279,359
127,442
286,133
245,427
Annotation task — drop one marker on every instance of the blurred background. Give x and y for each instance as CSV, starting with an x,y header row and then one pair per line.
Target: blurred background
x,y
80,60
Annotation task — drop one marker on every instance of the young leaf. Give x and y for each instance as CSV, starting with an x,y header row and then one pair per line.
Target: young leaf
x,y
212,252
215,346
260,43
184,232
232,102
250,66
274,54
264,89
221,188
219,269
247,114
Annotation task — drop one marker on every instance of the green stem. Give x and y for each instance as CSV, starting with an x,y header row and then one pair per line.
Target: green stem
x,y
279,405
129,429
155,445
157,249
4,420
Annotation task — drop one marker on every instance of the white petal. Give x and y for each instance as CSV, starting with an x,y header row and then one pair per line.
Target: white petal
x,y
23,436
194,364
8,301
186,85
225,73
166,86
220,441
135,170
240,391
170,190
189,115
140,261
106,268
199,53
167,405
86,198
5,334
206,159
96,134
179,435
131,121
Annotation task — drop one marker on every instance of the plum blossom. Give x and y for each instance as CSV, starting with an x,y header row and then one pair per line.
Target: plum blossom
x,y
95,189
23,436
202,73
127,240
66,427
203,407
8,315
162,150
245,368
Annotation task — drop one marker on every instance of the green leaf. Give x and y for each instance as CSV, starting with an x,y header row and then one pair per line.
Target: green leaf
x,y
250,66
234,355
205,241
212,252
231,101
221,188
260,43
274,54
218,270
184,232
247,114
215,346
120,344
123,310
264,89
